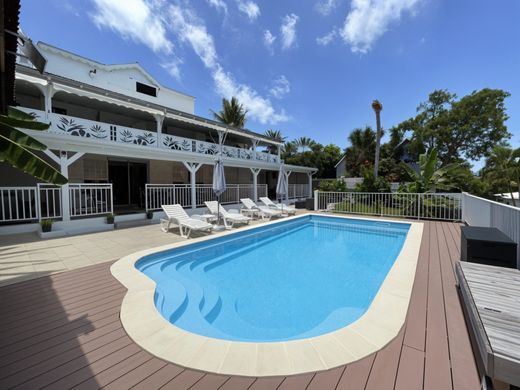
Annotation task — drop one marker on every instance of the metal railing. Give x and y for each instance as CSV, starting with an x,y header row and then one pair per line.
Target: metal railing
x,y
49,204
90,199
440,206
295,191
157,195
18,204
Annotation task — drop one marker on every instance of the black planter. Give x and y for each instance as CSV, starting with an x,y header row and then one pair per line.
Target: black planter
x,y
46,228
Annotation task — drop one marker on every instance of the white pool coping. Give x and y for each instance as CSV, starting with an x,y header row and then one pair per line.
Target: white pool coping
x,y
379,325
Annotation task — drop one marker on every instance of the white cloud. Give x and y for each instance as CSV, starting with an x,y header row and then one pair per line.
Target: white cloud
x,y
269,39
288,31
326,39
173,67
280,88
219,5
325,7
368,20
193,32
250,8
133,19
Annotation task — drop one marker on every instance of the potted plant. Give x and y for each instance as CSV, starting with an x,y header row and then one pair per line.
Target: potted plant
x,y
46,225
149,214
110,218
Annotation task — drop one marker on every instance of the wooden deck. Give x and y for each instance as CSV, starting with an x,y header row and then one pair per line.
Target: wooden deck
x,y
63,331
493,312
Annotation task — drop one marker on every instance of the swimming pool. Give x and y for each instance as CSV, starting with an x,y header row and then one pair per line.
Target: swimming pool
x,y
292,280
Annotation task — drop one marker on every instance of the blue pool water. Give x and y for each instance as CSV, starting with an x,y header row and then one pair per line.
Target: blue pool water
x,y
296,279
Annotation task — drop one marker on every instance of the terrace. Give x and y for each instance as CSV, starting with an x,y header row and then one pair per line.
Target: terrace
x,y
75,337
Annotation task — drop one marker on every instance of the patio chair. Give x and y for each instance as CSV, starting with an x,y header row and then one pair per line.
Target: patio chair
x,y
285,208
262,211
176,215
229,218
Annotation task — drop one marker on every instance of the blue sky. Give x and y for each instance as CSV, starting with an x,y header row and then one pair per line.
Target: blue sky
x,y
307,68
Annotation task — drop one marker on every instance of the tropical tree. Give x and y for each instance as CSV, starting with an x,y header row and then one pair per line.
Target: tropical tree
x,y
503,165
277,136
16,147
232,113
289,149
459,129
429,177
304,144
361,151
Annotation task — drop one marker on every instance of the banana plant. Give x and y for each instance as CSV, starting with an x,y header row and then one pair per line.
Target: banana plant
x,y
16,147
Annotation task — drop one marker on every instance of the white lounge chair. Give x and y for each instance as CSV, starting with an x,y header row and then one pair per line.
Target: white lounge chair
x,y
229,218
285,208
176,215
262,211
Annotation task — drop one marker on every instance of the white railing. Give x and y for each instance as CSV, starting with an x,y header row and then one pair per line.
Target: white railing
x,y
90,199
441,206
18,204
295,191
69,125
483,212
49,205
157,195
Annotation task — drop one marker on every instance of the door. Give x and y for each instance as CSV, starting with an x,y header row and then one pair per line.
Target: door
x,y
128,180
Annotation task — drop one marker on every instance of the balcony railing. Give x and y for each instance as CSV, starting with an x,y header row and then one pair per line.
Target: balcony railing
x,y
79,127
161,194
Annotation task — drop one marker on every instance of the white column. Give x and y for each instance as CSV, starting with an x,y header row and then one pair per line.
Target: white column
x,y
279,153
309,175
48,93
287,174
65,202
159,120
255,172
254,143
193,168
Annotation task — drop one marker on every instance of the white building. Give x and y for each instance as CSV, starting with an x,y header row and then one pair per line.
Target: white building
x,y
127,145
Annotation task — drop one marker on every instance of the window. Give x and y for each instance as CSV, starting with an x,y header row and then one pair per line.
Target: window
x,y
59,111
146,89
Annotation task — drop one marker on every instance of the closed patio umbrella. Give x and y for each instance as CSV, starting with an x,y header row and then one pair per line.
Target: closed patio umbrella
x,y
219,182
281,185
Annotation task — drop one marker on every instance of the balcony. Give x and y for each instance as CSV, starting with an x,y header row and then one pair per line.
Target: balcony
x,y
106,132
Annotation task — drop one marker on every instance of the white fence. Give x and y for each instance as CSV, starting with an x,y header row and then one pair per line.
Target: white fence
x,y
90,199
441,206
43,201
160,194
295,191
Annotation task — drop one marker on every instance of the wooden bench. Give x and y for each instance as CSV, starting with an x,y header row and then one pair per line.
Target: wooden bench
x,y
491,303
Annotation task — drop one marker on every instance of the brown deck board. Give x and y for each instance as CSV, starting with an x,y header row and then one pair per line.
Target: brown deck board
x,y
63,330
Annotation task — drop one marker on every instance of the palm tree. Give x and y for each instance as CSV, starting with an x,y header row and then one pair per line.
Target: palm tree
x,y
276,135
16,147
232,113
504,162
429,177
303,144
289,149
377,107
361,151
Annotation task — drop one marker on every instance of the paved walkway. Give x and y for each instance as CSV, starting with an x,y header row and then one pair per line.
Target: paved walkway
x,y
27,256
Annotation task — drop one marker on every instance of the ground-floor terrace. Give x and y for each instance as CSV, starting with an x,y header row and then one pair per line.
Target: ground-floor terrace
x,y
62,330
128,188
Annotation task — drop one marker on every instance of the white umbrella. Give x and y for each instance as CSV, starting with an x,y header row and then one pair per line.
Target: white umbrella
x,y
219,182
281,185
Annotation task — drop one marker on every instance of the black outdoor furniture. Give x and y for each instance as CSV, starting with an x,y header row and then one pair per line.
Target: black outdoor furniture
x,y
486,245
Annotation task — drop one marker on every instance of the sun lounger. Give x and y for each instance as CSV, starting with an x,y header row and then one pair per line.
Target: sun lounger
x,y
262,211
229,218
285,208
176,215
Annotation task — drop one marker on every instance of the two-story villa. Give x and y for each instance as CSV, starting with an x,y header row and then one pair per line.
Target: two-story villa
x,y
127,145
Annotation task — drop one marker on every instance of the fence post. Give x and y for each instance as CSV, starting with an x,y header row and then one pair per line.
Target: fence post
x,y
316,203
112,200
418,206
